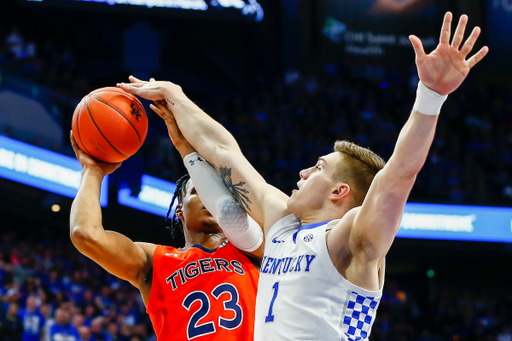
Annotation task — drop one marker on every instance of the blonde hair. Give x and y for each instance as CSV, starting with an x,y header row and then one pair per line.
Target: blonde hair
x,y
358,168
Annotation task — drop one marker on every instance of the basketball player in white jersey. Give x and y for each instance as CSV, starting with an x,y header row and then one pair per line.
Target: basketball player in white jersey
x,y
322,273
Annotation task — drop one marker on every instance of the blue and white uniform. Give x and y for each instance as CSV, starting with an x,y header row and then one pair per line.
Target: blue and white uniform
x,y
302,296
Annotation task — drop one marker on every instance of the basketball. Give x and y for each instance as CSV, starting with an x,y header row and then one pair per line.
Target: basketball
x,y
110,125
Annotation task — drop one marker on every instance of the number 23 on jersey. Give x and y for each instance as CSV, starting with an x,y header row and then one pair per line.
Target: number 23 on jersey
x,y
231,317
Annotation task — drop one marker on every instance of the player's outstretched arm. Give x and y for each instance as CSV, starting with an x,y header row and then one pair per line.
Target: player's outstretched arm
x,y
237,225
111,250
441,72
265,203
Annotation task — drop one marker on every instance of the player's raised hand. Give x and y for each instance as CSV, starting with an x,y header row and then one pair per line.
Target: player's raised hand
x,y
88,162
152,90
177,138
445,68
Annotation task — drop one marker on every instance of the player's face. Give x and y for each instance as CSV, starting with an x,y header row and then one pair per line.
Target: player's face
x,y
315,186
194,215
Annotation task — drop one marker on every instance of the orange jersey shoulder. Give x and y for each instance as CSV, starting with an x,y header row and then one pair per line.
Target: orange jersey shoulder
x,y
202,294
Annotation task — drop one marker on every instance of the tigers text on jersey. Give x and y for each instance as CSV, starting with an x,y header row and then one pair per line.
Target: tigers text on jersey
x,y
202,294
301,294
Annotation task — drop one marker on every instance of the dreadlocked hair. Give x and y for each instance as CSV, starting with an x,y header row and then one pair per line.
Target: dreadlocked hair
x,y
175,224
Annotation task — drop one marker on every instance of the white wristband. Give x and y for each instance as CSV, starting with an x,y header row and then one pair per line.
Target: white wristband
x,y
428,102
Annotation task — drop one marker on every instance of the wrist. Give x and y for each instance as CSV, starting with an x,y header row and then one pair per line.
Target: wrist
x,y
93,171
174,94
184,149
428,102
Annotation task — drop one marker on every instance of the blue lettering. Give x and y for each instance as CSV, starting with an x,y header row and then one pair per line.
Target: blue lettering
x,y
309,260
265,268
183,280
222,264
292,264
191,270
237,267
297,266
286,266
205,265
276,265
171,279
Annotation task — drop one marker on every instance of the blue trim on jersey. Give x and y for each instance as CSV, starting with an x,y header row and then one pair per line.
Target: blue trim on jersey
x,y
199,247
306,227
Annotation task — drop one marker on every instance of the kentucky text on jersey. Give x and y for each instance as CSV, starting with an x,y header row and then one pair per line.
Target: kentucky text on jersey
x,y
278,266
202,266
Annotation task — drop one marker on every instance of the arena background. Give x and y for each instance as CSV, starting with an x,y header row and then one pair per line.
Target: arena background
x,y
287,78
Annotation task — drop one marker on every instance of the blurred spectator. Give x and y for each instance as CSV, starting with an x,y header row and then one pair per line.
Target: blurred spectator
x,y
97,329
78,321
85,334
33,321
46,311
112,332
15,43
63,330
12,326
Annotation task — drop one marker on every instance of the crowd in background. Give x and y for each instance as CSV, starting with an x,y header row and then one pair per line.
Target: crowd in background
x,y
50,292
284,128
283,124
45,62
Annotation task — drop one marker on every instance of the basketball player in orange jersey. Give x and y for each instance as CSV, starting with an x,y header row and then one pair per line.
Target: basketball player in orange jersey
x,y
322,274
204,291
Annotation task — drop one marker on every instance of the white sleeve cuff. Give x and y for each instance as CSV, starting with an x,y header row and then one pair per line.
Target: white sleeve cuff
x,y
428,102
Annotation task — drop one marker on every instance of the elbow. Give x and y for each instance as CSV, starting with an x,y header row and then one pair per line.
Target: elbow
x,y
404,172
82,238
222,153
227,145
408,176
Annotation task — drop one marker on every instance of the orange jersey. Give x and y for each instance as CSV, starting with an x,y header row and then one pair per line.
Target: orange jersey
x,y
203,294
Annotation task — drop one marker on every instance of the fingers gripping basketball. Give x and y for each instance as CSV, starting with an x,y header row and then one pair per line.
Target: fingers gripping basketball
x,y
110,124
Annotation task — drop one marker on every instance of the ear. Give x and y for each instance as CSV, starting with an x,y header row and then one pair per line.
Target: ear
x,y
179,211
340,192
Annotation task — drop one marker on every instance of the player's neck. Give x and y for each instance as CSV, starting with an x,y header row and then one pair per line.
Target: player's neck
x,y
207,240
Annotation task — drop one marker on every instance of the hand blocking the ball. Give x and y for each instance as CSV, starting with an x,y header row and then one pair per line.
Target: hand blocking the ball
x,y
165,96
154,90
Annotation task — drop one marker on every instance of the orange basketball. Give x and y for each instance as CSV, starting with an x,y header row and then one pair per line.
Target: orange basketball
x,y
110,124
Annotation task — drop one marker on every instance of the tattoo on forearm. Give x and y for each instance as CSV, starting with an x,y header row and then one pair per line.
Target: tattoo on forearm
x,y
239,193
169,101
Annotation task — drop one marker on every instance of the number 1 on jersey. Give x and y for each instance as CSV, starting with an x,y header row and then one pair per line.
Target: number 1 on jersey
x,y
270,316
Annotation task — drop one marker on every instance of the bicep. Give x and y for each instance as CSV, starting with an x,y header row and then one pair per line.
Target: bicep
x,y
117,254
378,220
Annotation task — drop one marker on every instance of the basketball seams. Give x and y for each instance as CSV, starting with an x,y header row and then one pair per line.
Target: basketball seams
x,y
118,111
93,121
121,92
78,127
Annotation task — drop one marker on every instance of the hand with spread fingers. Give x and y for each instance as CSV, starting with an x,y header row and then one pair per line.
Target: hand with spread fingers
x,y
445,68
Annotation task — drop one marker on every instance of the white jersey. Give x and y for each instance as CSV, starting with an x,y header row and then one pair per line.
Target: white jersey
x,y
302,296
